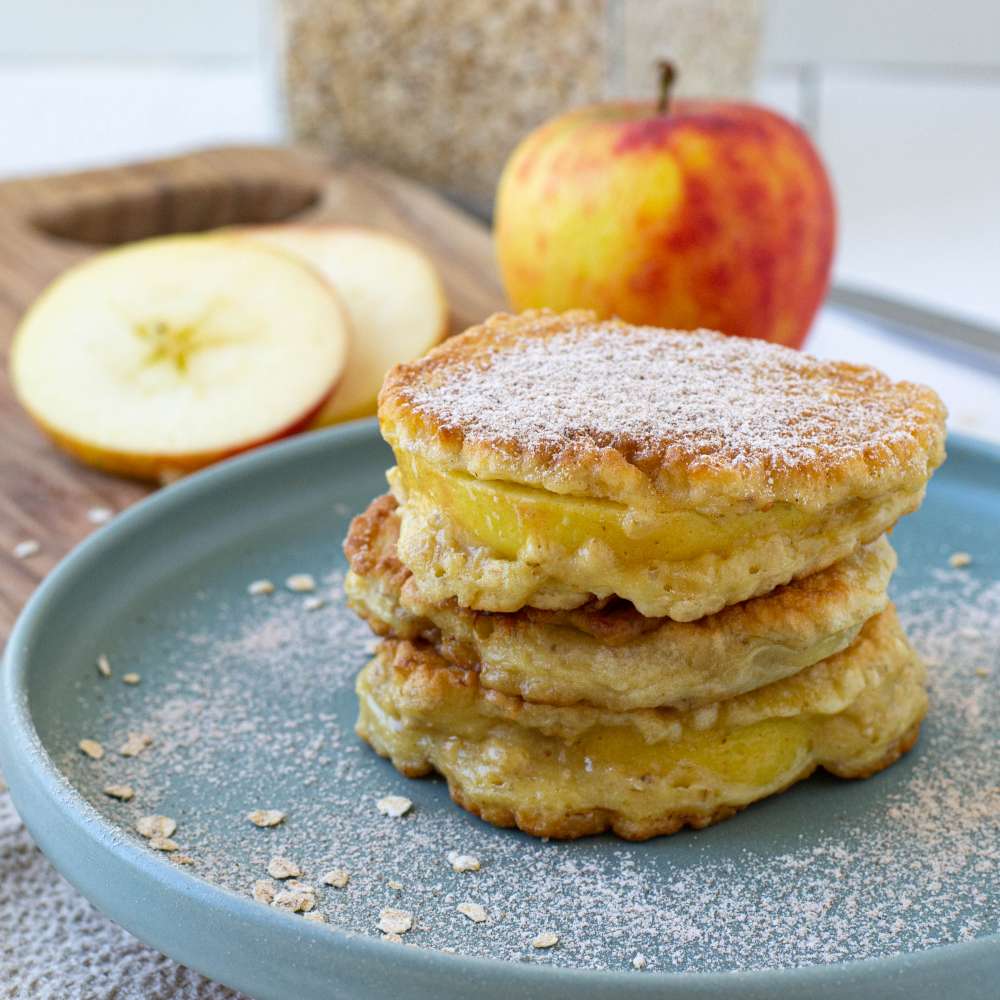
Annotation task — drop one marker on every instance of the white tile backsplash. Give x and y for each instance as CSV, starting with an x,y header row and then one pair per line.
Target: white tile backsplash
x,y
916,165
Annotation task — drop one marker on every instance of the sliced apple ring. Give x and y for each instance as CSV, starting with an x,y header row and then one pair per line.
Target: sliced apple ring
x,y
163,356
391,291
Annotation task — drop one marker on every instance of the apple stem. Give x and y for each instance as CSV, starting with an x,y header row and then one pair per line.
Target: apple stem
x,y
668,74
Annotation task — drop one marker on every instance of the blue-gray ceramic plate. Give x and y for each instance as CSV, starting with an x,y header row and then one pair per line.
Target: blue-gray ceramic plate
x,y
883,888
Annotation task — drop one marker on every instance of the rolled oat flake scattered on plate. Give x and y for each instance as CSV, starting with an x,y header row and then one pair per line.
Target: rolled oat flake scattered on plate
x,y
338,878
301,583
294,901
135,744
121,792
266,817
163,844
260,587
131,678
393,921
156,826
92,749
473,911
394,806
545,940
263,891
280,867
103,666
463,862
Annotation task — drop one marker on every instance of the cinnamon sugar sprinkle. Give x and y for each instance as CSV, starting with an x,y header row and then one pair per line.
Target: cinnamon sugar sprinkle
x,y
727,400
250,709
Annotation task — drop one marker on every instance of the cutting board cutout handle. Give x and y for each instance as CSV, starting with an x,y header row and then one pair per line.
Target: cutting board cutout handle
x,y
199,191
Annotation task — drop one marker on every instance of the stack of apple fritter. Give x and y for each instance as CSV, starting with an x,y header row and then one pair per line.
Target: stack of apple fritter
x,y
635,579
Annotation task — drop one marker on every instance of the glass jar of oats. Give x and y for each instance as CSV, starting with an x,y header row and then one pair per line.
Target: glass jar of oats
x,y
443,91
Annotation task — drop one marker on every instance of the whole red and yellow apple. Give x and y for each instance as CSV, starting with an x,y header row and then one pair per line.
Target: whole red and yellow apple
x,y
690,214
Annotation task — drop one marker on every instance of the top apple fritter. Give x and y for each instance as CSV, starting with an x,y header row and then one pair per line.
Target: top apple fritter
x,y
545,460
660,418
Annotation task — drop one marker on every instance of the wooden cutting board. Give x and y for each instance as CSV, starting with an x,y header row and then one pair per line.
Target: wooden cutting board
x,y
49,223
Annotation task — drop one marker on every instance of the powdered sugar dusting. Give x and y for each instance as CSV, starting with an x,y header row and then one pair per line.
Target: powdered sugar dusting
x,y
723,401
251,702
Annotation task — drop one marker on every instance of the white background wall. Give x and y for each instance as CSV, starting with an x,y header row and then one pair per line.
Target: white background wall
x,y
903,97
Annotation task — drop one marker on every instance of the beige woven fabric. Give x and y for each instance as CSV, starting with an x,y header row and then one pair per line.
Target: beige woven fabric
x,y
55,946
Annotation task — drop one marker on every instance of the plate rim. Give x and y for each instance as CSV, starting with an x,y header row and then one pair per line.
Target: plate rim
x,y
42,793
